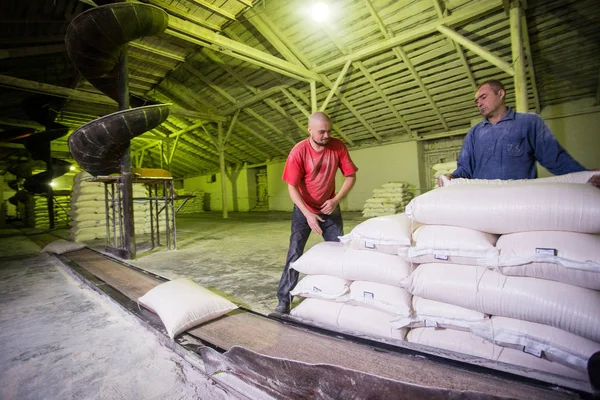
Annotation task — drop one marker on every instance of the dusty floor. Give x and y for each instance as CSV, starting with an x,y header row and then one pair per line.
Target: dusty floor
x,y
241,256
61,340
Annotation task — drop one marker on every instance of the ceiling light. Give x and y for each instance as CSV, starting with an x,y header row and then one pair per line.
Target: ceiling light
x,y
72,168
320,12
52,184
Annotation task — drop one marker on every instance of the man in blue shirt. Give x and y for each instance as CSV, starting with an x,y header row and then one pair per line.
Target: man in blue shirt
x,y
506,144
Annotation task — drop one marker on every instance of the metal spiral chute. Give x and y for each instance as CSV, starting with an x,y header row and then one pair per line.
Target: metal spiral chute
x,y
95,40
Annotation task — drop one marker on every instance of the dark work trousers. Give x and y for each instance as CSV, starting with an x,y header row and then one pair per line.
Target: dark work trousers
x,y
332,227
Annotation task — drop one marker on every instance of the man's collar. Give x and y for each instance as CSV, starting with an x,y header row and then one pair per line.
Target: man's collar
x,y
510,114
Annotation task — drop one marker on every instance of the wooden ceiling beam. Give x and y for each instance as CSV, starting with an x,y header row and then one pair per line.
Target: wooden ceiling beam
x,y
270,102
466,14
162,53
31,51
21,123
215,9
240,50
232,99
401,54
477,49
301,107
74,94
184,13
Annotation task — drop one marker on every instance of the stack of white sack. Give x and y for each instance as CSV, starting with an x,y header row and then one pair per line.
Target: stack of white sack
x,y
354,286
390,198
524,253
88,210
193,205
442,169
41,217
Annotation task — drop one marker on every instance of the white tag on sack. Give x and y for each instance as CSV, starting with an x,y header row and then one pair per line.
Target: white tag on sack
x,y
545,251
368,295
440,257
369,244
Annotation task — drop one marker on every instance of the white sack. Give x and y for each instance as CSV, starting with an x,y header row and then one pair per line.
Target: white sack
x,y
568,257
537,339
321,287
182,304
363,320
390,299
467,343
350,319
439,243
385,234
318,310
431,313
510,208
557,304
574,177
331,258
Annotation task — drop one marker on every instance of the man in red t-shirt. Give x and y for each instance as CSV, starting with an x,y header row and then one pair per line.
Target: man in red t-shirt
x,y
310,173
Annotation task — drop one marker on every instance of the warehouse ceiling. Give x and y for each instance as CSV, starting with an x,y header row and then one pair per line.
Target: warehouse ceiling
x,y
385,71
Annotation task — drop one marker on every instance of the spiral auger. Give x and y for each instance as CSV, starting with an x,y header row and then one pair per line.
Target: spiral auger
x,y
95,40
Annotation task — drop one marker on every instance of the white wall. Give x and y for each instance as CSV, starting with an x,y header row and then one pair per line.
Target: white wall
x,y
214,192
578,133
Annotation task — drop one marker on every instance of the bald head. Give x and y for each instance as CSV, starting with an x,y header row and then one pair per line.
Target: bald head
x,y
319,128
318,117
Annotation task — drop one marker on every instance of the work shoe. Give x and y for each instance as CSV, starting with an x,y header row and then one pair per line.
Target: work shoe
x,y
283,307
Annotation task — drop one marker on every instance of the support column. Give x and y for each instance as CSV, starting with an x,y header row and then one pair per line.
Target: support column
x,y
223,171
126,175
313,96
518,56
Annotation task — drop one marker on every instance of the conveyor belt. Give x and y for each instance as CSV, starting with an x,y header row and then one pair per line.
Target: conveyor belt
x,y
404,362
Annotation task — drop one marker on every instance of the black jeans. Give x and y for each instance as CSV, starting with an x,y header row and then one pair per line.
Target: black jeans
x,y
332,227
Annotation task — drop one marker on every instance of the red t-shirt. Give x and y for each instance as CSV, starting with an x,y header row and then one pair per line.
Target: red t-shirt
x,y
313,173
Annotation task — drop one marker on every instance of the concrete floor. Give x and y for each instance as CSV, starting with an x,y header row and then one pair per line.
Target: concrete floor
x,y
60,339
241,256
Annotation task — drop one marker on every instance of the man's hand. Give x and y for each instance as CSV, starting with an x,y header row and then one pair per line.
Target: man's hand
x,y
313,222
440,180
595,180
329,206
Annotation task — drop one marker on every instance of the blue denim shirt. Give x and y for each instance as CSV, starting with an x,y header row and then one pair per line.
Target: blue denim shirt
x,y
510,148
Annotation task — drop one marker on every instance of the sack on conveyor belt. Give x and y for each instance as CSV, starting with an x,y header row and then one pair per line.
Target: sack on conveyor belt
x,y
385,234
574,177
431,313
324,287
355,320
557,304
62,246
567,257
390,299
510,208
331,258
467,343
541,340
182,304
452,244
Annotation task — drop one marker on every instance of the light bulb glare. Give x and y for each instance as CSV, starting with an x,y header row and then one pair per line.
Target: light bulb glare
x,y
320,12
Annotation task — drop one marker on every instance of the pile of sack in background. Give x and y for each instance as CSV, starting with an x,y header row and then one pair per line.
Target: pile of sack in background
x,y
40,216
88,210
499,270
390,198
193,205
441,169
